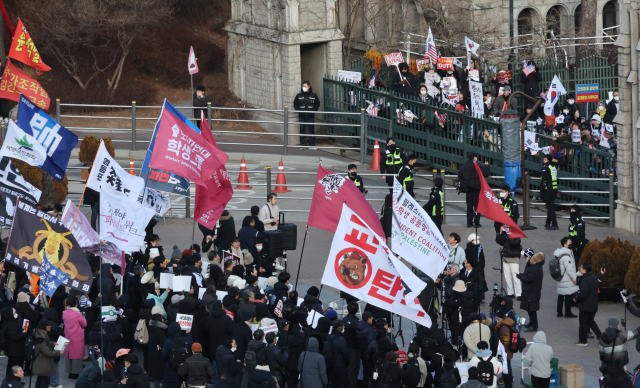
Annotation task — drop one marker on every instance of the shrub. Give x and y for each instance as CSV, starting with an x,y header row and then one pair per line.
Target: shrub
x,y
632,279
89,148
615,254
53,191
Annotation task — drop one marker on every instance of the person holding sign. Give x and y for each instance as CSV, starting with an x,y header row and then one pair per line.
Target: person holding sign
x,y
158,298
404,82
43,364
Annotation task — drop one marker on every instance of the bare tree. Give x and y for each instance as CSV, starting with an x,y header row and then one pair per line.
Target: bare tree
x,y
588,14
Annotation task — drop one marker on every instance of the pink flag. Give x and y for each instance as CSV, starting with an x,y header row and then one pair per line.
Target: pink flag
x,y
212,199
330,192
182,151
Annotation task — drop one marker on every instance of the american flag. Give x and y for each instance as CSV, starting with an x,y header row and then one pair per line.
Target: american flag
x,y
528,70
430,48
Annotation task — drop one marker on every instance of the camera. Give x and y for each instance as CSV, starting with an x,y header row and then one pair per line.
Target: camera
x,y
495,286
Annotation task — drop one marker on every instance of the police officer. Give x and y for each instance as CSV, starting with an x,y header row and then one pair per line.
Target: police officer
x,y
405,176
392,161
577,232
435,207
549,191
307,101
509,205
355,178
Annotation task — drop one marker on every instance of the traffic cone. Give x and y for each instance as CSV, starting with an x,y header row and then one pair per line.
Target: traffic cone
x,y
281,180
243,177
375,163
131,167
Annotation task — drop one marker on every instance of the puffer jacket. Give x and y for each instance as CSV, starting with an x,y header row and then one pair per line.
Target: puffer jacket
x,y
228,366
313,370
175,336
511,247
531,280
261,378
312,303
566,285
615,341
504,331
197,370
340,350
364,335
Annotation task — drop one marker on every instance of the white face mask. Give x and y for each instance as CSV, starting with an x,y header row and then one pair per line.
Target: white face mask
x,y
570,102
259,247
617,98
305,89
233,349
555,133
423,92
503,194
600,107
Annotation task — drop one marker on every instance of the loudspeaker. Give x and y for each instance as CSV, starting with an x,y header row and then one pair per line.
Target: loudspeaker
x,y
273,242
290,231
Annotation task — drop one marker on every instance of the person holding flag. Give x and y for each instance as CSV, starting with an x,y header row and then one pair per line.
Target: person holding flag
x,y
555,91
531,79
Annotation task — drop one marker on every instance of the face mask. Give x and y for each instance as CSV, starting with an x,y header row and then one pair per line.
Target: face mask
x,y
423,92
449,71
259,247
392,148
352,174
233,349
305,89
617,98
600,107
570,102
503,194
569,246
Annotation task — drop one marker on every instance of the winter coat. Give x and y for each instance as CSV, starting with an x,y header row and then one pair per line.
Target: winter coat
x,y
606,345
532,83
159,300
226,232
531,280
340,350
587,297
105,280
473,384
249,306
617,382
12,382
539,356
228,365
476,252
295,341
547,192
137,377
90,376
198,330
410,84
281,292
463,301
497,368
395,373
313,370
386,220
157,328
499,104
351,323
172,311
456,255
247,235
197,370
261,378
12,332
469,175
129,324
174,336
277,361
504,331
74,324
474,282
112,339
44,354
305,101
311,303
472,335
218,326
364,335
242,334
566,285
210,295
511,247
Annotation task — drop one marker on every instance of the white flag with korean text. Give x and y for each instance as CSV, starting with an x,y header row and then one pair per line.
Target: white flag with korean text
x,y
122,221
108,177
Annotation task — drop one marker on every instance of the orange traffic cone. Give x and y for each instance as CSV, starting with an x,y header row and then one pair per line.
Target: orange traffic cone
x,y
131,167
281,181
243,177
375,162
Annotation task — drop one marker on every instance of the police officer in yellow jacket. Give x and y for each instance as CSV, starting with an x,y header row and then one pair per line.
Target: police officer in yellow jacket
x,y
391,161
435,207
549,191
355,178
405,176
509,205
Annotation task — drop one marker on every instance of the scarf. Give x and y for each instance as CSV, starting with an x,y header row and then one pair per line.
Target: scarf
x,y
483,353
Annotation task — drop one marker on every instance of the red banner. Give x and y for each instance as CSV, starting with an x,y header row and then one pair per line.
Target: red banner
x,y
211,200
445,64
14,82
489,206
24,50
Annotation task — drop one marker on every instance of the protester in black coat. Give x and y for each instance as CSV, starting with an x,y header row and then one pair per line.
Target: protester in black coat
x,y
294,341
135,376
532,82
340,350
129,324
57,300
311,301
218,326
12,332
406,84
386,214
108,378
470,185
175,337
228,363
276,359
587,300
531,280
157,328
242,333
199,332
226,232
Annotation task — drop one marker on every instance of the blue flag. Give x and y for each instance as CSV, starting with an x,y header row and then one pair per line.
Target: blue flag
x,y
162,180
50,277
56,139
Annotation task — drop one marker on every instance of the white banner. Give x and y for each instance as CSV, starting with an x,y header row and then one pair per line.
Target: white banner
x,y
108,177
414,235
155,200
477,106
349,76
11,177
359,263
18,144
122,221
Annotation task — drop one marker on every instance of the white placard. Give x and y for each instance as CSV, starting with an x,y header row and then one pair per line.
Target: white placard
x,y
349,76
313,317
109,314
61,343
604,142
477,106
529,139
263,283
575,135
463,369
221,294
185,321
201,292
166,280
181,283
269,329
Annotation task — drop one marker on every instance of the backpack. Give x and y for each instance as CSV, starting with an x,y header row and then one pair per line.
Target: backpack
x,y
179,354
142,333
448,380
250,360
463,187
555,270
327,352
485,371
30,349
635,379
517,342
427,347
385,380
413,376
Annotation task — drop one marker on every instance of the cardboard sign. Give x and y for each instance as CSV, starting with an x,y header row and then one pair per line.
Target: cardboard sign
x,y
474,75
181,283
166,280
504,76
423,63
268,329
201,292
277,311
349,76
575,135
587,93
185,321
393,59
445,64
109,314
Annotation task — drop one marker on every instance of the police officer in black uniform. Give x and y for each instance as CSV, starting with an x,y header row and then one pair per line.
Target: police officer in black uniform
x,y
391,162
577,232
308,101
435,207
355,178
405,175
549,191
509,205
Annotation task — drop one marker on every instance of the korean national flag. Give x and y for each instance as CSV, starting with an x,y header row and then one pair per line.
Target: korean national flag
x,y
56,139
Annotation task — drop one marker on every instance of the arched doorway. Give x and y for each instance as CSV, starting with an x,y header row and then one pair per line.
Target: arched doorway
x,y
610,17
557,21
577,14
525,21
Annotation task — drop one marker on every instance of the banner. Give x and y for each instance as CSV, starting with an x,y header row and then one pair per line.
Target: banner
x,y
393,59
192,65
359,264
14,82
349,76
445,64
50,277
330,192
587,93
185,321
555,90
22,146
423,63
108,177
414,235
211,200
35,233
13,186
88,238
154,200
24,50
477,105
122,221
490,207
185,152
471,46
56,139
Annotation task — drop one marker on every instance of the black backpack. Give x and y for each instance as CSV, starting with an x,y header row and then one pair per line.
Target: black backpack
x,y
427,347
554,268
384,378
412,379
327,352
250,360
179,354
29,349
448,380
485,371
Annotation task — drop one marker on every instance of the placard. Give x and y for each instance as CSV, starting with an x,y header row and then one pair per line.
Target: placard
x,y
277,311
61,343
532,126
166,280
263,283
575,135
181,283
474,75
349,76
587,93
221,294
393,59
529,139
25,325
312,318
201,292
268,329
477,107
185,321
445,64
423,63
109,314
504,76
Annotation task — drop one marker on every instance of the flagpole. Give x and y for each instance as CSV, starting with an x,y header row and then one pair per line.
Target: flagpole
x,y
127,291
101,320
301,253
193,227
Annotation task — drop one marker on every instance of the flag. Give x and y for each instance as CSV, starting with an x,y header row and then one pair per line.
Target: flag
x,y
22,146
35,233
51,277
528,70
414,235
13,186
211,200
185,152
58,140
359,263
430,48
163,180
372,83
330,192
457,62
555,91
108,177
154,200
24,50
489,206
14,82
122,221
471,46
